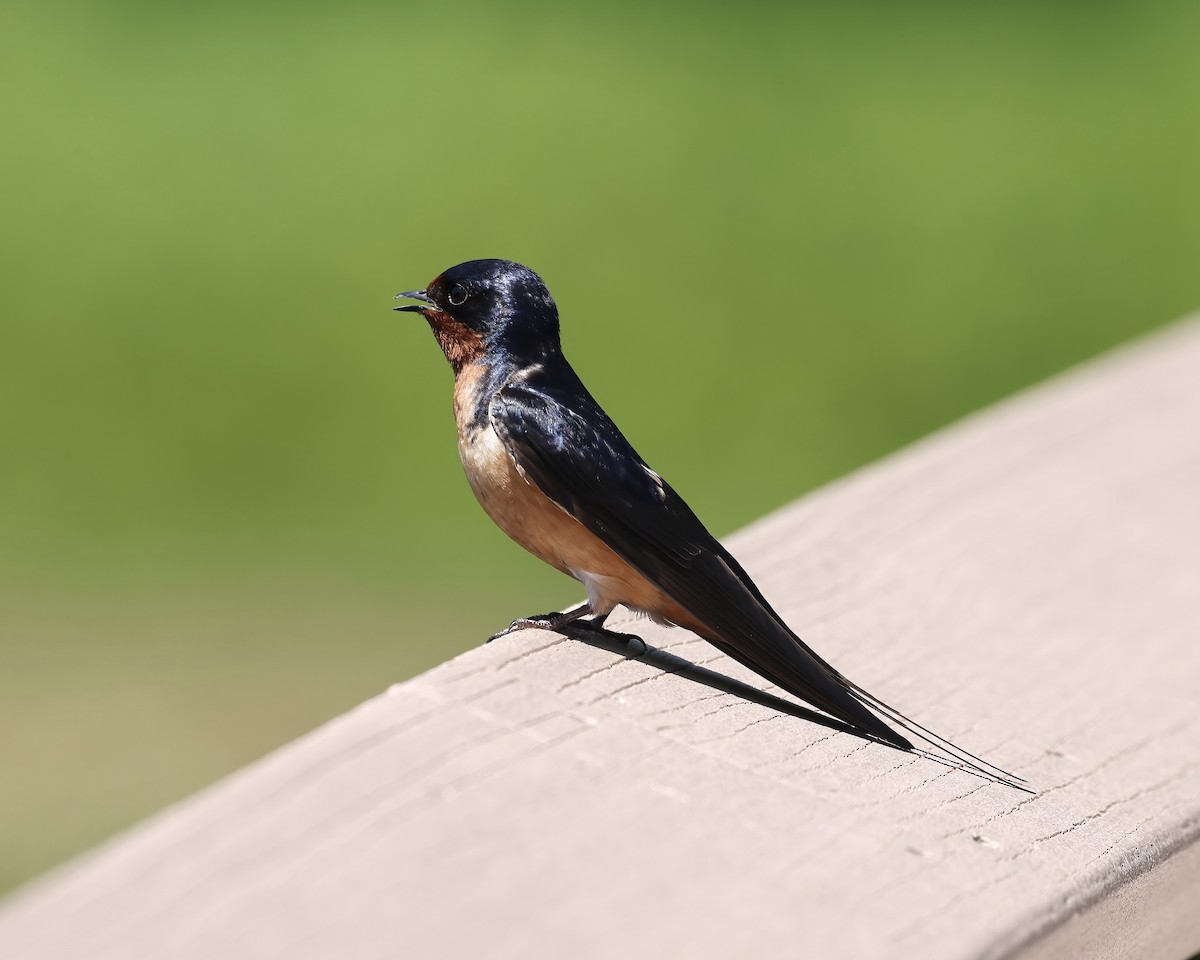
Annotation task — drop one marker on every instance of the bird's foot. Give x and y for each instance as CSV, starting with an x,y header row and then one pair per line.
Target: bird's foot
x,y
573,621
544,621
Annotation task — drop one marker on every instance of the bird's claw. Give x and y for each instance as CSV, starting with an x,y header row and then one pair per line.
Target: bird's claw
x,y
538,621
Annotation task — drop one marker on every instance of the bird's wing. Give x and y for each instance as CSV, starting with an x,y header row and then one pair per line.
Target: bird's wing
x,y
567,445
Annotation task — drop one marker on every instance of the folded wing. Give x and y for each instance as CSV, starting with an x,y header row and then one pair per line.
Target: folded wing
x,y
564,443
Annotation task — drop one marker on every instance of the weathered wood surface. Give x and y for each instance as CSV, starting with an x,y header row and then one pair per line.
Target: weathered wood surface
x,y
1026,583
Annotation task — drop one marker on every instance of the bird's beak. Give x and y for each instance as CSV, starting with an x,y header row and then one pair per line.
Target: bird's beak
x,y
426,301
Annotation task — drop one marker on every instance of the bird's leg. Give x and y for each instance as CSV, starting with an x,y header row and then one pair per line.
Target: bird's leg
x,y
596,623
545,621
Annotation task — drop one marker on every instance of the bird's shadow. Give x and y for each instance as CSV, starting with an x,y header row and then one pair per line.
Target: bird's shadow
x,y
635,648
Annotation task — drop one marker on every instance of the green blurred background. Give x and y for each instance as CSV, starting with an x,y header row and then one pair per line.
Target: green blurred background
x,y
231,502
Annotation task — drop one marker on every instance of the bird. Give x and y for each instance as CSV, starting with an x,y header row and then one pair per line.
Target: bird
x,y
554,472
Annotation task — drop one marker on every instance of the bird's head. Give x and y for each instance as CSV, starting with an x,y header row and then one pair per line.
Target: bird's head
x,y
486,305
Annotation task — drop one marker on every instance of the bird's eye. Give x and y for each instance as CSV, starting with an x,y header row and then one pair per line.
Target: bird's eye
x,y
457,295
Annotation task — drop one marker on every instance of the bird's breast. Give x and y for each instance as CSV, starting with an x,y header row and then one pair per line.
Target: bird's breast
x,y
535,521
519,508
515,504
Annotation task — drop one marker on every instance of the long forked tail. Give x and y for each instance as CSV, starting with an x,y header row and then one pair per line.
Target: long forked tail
x,y
797,668
944,751
732,614
794,666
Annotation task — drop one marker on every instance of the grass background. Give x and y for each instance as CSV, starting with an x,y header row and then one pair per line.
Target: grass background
x,y
230,504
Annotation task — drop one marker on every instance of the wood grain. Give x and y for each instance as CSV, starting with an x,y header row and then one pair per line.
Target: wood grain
x,y
1026,583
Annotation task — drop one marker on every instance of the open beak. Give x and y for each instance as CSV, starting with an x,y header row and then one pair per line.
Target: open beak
x,y
425,304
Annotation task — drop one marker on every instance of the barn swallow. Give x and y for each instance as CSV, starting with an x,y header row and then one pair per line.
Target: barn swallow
x,y
555,474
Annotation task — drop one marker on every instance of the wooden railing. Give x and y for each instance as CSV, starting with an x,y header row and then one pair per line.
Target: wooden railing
x,y
1026,583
